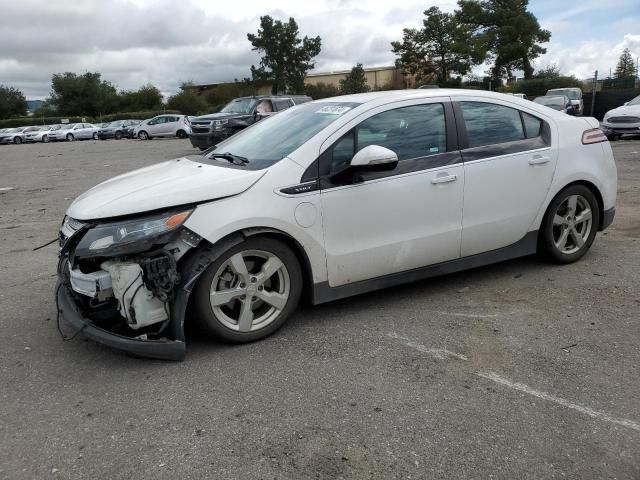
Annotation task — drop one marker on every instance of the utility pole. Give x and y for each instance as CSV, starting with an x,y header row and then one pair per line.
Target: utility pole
x,y
593,94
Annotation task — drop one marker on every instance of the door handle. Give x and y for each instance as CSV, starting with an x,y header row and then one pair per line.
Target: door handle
x,y
539,160
444,179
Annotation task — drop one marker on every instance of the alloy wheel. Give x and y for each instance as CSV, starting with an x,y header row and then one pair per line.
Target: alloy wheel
x,y
250,290
572,224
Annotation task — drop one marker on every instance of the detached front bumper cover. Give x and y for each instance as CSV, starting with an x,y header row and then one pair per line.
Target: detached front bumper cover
x,y
159,349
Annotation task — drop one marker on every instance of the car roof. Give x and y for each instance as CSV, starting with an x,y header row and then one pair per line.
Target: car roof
x,y
409,94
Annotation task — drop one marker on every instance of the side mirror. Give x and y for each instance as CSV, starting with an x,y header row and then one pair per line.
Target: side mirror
x,y
372,158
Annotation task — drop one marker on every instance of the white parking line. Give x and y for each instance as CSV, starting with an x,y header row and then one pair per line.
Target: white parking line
x,y
439,353
560,401
468,315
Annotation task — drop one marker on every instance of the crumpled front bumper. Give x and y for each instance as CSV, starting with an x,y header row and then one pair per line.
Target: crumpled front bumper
x,y
71,314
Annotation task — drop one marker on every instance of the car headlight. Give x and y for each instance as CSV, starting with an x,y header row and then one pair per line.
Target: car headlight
x,y
109,236
220,123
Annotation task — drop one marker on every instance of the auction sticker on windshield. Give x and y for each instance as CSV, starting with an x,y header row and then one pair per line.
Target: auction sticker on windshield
x,y
334,109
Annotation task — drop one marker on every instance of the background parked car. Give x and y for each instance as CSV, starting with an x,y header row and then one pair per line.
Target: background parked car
x,y
208,130
37,134
574,94
13,135
128,131
621,120
169,125
74,131
561,103
115,129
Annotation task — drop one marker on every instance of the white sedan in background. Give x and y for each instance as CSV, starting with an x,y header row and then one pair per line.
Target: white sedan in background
x,y
73,131
622,120
335,197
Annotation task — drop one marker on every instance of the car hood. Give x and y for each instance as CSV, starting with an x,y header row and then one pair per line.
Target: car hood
x,y
163,185
219,116
625,110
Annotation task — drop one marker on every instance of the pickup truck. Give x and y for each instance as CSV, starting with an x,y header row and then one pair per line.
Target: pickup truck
x,y
209,130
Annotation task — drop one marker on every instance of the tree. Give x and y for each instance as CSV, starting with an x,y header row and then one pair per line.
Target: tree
x,y
550,71
510,33
187,101
86,94
354,82
443,46
321,90
626,66
147,97
286,58
12,102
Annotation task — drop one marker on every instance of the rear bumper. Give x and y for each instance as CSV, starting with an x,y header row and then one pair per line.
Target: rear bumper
x,y
607,218
158,349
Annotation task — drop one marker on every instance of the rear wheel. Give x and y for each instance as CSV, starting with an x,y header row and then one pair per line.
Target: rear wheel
x,y
181,134
118,135
142,135
249,291
570,224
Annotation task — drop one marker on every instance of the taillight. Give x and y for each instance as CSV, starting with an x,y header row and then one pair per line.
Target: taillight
x,y
595,135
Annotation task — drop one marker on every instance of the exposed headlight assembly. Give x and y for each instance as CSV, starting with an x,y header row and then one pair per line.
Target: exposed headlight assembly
x,y
220,123
130,234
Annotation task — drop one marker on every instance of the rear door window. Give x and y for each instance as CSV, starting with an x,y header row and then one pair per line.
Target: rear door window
x,y
490,124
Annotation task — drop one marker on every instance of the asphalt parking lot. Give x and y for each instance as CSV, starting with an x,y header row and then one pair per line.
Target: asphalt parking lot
x,y
517,370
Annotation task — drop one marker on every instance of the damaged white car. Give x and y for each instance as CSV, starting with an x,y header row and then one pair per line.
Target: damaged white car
x,y
332,198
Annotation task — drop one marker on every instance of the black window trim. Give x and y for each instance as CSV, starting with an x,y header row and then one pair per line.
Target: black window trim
x,y
471,154
429,162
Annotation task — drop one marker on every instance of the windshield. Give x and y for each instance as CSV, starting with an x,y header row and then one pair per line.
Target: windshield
x,y
241,105
272,139
635,101
551,101
572,93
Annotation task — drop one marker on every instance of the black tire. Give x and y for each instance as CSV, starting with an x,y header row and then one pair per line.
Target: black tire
x,y
70,137
95,136
181,134
142,135
547,243
206,318
17,140
45,139
118,135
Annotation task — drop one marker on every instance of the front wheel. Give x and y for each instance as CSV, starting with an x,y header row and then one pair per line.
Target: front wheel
x,y
17,140
570,224
95,136
118,135
143,135
45,139
249,291
70,137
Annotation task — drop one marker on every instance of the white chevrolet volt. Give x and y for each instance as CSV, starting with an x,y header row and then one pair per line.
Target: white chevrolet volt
x,y
332,198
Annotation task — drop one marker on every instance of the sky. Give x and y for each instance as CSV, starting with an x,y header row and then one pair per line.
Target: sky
x,y
165,42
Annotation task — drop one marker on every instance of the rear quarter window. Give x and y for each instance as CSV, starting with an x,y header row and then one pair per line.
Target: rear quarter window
x,y
490,124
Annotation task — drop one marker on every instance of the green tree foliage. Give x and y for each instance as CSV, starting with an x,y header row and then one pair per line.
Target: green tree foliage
x,y
187,102
147,97
443,46
85,94
286,58
12,102
550,71
321,90
536,87
354,82
507,30
220,95
626,66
